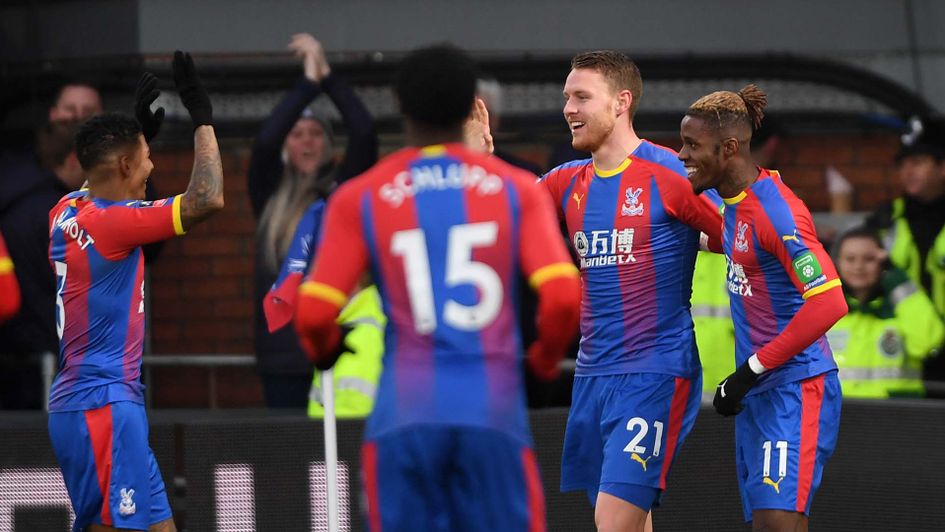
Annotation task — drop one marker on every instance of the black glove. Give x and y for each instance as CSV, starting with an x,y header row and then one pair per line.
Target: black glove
x,y
343,347
731,391
144,96
192,93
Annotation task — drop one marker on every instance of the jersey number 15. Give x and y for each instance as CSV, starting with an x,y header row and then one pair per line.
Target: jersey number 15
x,y
411,244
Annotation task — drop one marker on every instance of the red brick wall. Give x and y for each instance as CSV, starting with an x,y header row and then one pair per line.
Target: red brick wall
x,y
201,286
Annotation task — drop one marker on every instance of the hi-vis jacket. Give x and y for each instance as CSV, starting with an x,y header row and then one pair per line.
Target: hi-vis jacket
x,y
880,344
355,374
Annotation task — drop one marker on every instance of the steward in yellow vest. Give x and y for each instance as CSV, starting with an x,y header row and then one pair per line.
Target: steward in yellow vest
x,y
891,327
712,317
913,227
356,373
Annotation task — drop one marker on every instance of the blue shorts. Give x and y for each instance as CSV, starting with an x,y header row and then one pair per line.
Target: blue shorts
x,y
783,440
108,468
623,432
451,478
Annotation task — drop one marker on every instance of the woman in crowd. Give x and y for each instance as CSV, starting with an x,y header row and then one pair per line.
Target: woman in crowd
x,y
293,165
891,326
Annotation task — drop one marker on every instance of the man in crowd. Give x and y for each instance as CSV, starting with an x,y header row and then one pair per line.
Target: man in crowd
x,y
913,226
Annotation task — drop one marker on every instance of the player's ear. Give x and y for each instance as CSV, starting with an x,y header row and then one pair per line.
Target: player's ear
x,y
730,147
125,164
624,101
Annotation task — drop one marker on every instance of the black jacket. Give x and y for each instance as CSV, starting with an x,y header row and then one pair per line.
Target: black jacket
x,y
280,352
27,193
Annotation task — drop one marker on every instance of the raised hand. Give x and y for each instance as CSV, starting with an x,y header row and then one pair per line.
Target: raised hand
x,y
192,93
476,132
312,54
145,95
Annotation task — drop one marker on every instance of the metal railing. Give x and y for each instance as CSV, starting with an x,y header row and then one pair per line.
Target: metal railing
x,y
211,361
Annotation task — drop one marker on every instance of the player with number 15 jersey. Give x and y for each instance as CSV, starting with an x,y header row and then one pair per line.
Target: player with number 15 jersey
x,y
446,233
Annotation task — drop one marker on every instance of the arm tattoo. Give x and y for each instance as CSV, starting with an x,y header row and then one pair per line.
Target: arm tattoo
x,y
204,194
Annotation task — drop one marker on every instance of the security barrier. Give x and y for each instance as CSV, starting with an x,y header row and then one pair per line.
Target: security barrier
x,y
248,470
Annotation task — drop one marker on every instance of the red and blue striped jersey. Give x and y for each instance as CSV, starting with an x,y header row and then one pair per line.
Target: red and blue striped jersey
x,y
94,248
636,233
446,233
279,302
775,262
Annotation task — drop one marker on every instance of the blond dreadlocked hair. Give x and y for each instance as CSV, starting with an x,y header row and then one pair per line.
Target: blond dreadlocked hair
x,y
731,108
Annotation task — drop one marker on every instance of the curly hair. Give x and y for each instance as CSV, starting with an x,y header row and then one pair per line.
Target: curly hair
x,y
103,135
436,85
729,108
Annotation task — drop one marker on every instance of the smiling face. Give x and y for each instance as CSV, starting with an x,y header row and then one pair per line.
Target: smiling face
x,y
590,108
701,153
305,146
860,263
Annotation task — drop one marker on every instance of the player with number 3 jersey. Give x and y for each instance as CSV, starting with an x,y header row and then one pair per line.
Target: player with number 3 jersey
x,y
97,422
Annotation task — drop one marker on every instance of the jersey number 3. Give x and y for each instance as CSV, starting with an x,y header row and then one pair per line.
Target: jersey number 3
x,y
61,270
460,269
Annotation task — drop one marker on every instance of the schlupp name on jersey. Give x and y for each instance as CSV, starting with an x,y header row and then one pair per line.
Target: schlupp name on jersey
x,y
607,247
421,178
70,228
737,280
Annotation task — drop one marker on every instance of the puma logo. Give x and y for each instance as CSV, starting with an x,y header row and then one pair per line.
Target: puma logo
x,y
776,485
577,199
787,238
722,388
636,458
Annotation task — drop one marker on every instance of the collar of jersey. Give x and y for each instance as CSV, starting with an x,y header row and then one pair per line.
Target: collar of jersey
x,y
762,173
610,173
433,150
738,197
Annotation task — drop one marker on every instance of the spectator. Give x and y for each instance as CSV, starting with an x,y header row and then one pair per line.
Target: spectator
x,y
30,187
357,372
75,101
912,227
712,320
890,328
355,375
291,166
